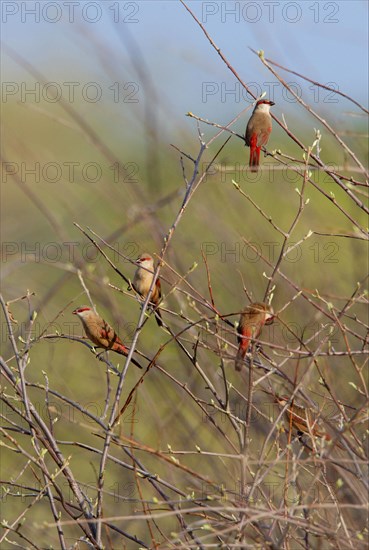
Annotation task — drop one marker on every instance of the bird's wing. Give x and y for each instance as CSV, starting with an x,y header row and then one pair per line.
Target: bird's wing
x,y
158,287
239,334
262,138
134,287
108,334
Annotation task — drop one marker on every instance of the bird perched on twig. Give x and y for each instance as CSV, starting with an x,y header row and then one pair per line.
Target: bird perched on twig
x,y
142,281
306,422
258,131
101,334
252,320
302,419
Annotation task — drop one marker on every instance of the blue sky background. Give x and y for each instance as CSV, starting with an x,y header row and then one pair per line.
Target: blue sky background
x,y
324,40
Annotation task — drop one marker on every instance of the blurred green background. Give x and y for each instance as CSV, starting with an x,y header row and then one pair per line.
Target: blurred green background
x,y
52,153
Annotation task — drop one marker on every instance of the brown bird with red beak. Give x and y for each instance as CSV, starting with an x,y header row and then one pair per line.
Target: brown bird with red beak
x,y
252,320
142,282
258,131
101,334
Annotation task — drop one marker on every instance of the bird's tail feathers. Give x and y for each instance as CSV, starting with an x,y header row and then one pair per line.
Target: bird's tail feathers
x,y
254,159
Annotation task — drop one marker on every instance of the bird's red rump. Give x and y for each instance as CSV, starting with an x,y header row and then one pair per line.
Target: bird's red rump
x,y
244,342
244,336
254,140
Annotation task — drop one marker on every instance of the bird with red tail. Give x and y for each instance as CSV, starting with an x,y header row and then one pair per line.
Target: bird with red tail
x,y
258,131
101,334
252,320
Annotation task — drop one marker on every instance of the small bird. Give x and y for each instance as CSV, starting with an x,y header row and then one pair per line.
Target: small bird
x,y
306,422
301,419
258,131
101,334
142,282
252,320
